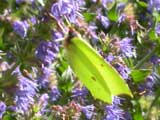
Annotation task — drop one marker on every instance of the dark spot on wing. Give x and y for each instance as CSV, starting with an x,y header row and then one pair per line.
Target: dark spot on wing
x,y
102,65
93,78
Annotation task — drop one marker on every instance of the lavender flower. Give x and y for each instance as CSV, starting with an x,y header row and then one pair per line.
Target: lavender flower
x,y
157,29
57,35
79,92
114,112
33,20
127,48
22,1
88,111
47,52
155,60
120,6
65,8
148,86
43,80
110,58
122,18
155,4
124,71
21,27
42,104
25,93
2,109
105,2
104,20
54,94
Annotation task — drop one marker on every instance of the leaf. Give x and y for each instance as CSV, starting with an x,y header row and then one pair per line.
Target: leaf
x,y
89,16
41,2
113,14
1,38
142,4
97,75
140,75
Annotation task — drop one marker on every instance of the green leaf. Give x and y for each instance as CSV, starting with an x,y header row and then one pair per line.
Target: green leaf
x,y
152,34
89,16
1,38
97,75
113,14
139,75
142,4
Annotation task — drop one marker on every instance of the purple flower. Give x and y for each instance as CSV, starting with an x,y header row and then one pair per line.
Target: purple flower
x,y
120,6
33,20
54,94
154,4
123,70
88,111
110,58
155,60
148,86
43,80
122,18
42,104
104,21
114,113
77,92
21,27
65,8
117,100
47,52
127,48
57,35
2,109
105,2
25,93
22,1
157,29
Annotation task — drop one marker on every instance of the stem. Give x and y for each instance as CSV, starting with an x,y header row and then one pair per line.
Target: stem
x,y
152,104
140,63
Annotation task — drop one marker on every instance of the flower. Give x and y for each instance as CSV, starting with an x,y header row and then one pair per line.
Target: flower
x,y
148,86
114,112
25,93
42,104
122,18
105,2
77,92
2,109
88,111
127,48
155,4
66,8
157,29
121,6
33,20
110,58
22,1
155,60
47,52
123,70
54,94
104,20
43,80
21,27
56,35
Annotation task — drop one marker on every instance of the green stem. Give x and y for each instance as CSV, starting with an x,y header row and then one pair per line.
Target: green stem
x,y
141,62
152,104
